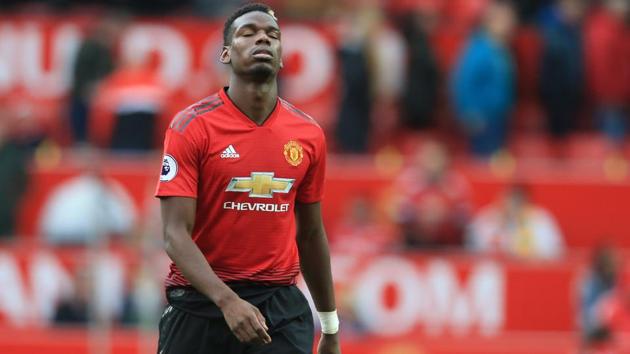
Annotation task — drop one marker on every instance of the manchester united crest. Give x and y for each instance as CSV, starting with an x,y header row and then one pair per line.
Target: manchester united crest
x,y
293,153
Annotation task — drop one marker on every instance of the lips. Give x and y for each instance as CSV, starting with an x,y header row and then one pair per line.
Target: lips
x,y
262,54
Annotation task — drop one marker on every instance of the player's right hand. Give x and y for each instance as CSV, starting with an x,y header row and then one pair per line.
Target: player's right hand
x,y
246,322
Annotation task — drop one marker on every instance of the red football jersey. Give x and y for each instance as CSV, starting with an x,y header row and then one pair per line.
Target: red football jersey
x,y
246,179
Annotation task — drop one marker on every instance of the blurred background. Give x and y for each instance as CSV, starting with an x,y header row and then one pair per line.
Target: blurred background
x,y
477,195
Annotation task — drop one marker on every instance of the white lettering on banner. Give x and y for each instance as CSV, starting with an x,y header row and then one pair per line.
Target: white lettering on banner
x,y
8,59
47,280
481,303
172,47
316,58
434,298
430,295
401,274
25,48
50,282
13,302
109,286
56,81
267,207
22,58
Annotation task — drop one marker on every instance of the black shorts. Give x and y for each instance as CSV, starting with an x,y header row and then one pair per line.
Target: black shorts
x,y
192,324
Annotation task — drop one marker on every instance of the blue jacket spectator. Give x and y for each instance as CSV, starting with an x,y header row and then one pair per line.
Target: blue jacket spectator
x,y
482,86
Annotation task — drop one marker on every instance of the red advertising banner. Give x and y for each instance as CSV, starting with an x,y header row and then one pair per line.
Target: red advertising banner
x,y
389,303
392,295
64,341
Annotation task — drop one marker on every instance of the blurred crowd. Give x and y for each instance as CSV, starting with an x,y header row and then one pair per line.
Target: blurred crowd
x,y
429,207
474,71
581,71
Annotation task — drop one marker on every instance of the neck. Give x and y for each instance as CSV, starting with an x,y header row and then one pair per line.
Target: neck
x,y
256,99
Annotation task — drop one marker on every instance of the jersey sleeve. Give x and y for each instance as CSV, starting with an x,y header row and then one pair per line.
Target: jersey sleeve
x,y
179,174
311,189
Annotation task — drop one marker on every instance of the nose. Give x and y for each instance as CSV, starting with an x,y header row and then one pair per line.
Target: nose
x,y
262,37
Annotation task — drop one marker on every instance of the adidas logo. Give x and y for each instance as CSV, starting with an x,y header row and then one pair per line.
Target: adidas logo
x,y
230,153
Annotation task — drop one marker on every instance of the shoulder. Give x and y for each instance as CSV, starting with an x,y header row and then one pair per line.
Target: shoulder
x,y
302,125
308,127
473,51
474,41
298,114
480,42
187,118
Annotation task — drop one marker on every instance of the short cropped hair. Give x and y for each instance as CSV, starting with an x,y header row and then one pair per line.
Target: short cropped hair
x,y
228,31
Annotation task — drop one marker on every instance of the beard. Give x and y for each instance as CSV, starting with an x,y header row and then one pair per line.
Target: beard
x,y
259,71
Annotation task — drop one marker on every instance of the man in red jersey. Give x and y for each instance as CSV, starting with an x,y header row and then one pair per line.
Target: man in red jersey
x,y
240,190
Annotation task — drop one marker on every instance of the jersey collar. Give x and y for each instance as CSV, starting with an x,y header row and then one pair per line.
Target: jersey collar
x,y
237,112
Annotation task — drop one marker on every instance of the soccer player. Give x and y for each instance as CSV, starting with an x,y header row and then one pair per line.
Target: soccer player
x,y
240,191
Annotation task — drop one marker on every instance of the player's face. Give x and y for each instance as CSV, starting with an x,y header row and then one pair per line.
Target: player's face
x,y
255,49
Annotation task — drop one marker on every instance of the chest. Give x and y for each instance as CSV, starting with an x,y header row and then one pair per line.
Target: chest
x,y
260,156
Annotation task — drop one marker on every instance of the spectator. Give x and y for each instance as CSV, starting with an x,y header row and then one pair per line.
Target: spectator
x,y
74,309
463,15
13,177
87,208
562,68
482,84
143,303
431,202
304,9
353,122
96,294
360,232
94,61
420,92
129,107
387,52
599,281
214,8
515,226
613,318
527,10
608,66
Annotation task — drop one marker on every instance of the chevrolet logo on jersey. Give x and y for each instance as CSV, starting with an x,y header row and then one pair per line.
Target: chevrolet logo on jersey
x,y
260,185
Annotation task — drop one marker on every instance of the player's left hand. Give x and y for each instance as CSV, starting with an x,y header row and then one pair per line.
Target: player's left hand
x,y
329,344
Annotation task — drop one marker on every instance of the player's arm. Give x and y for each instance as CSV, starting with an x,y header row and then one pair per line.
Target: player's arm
x,y
315,263
244,319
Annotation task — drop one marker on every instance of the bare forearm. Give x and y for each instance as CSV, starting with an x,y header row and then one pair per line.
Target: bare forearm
x,y
192,263
315,264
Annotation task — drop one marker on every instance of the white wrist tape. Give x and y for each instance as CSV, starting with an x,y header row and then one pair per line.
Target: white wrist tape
x,y
329,322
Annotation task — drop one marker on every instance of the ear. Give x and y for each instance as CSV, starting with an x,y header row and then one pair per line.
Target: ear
x,y
280,54
225,55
